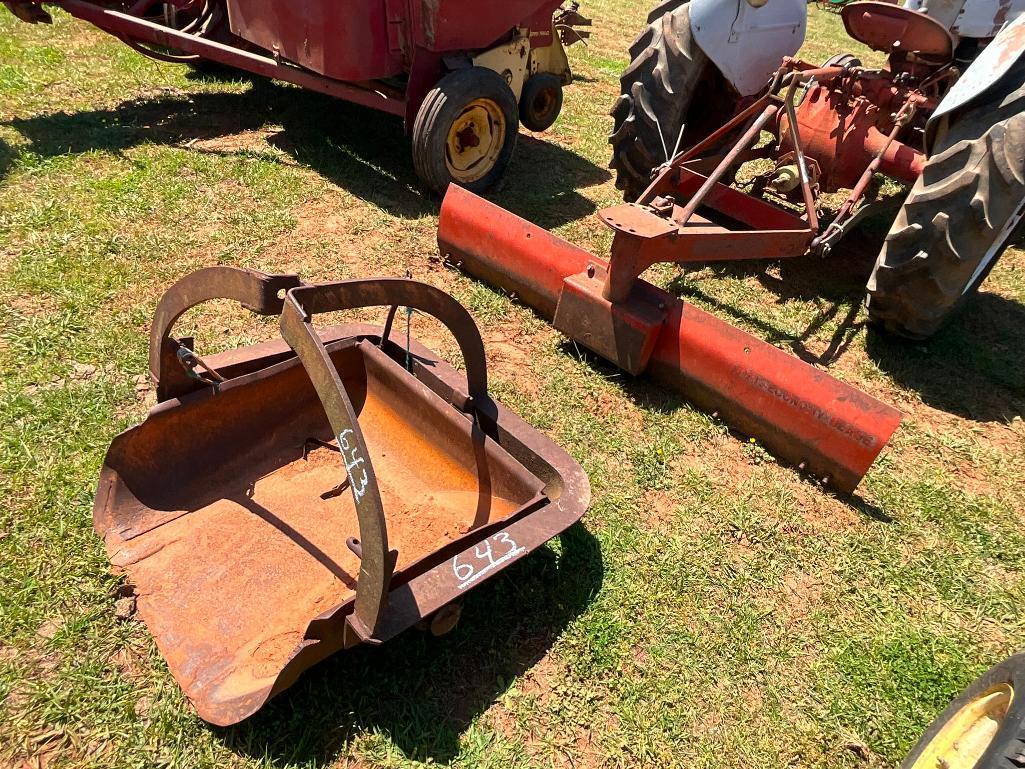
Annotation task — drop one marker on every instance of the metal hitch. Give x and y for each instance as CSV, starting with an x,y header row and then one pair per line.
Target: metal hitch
x,y
800,413
287,500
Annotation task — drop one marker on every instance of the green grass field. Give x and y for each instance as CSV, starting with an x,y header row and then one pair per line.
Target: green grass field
x,y
714,609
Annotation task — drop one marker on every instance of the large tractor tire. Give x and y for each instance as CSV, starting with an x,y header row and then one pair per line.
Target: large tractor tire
x,y
983,728
666,70
958,218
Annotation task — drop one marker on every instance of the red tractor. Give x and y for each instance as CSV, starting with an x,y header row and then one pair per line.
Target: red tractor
x,y
945,115
462,74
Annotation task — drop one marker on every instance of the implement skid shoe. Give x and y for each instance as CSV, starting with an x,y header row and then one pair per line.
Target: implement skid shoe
x,y
285,501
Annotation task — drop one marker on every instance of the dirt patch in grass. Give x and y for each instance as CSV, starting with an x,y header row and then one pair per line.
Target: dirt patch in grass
x,y
343,234
510,356
802,593
719,457
225,141
823,513
34,305
658,509
129,662
537,681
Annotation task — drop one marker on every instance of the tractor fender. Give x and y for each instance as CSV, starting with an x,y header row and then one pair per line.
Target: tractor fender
x,y
745,42
974,19
988,69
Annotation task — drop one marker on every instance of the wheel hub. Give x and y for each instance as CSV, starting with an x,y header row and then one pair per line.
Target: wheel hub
x,y
467,138
543,102
475,140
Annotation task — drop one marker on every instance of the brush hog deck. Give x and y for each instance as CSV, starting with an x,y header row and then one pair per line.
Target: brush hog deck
x,y
285,501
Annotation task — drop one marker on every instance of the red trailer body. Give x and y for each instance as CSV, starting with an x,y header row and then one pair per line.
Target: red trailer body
x,y
462,73
321,35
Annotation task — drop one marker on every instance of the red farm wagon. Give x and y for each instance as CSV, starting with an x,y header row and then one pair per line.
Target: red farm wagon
x,y
463,74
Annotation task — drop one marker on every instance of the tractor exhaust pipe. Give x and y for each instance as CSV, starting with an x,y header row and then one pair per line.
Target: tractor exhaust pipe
x,y
802,415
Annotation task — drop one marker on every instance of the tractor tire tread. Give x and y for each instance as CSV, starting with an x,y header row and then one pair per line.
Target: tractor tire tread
x,y
426,120
656,90
970,188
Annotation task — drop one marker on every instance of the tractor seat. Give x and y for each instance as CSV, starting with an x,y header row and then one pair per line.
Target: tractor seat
x,y
890,28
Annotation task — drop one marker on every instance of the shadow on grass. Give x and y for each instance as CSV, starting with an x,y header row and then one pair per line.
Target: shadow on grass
x,y
361,150
835,283
424,692
974,367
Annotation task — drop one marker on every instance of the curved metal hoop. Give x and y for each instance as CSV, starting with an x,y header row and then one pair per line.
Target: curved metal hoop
x,y
377,561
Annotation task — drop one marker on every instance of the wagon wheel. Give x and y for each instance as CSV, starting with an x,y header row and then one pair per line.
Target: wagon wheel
x,y
541,101
465,131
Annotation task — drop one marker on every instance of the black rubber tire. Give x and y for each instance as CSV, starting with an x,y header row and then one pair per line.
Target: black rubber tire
x,y
444,103
540,101
972,187
665,68
663,8
842,60
1007,749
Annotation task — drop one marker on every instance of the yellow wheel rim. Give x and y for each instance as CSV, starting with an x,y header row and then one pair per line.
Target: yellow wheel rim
x,y
965,737
475,140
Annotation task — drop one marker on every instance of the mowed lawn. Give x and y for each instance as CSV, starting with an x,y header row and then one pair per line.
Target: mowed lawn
x,y
714,609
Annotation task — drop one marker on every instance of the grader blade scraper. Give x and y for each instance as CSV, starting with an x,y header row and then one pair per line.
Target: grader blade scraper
x,y
801,414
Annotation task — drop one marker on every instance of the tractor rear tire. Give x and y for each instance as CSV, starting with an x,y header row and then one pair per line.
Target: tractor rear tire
x,y
657,90
984,726
465,131
662,9
958,218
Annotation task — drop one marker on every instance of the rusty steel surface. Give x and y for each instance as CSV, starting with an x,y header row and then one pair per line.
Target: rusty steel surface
x,y
801,414
376,559
665,224
893,29
354,50
845,133
256,291
644,238
835,127
126,26
239,511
